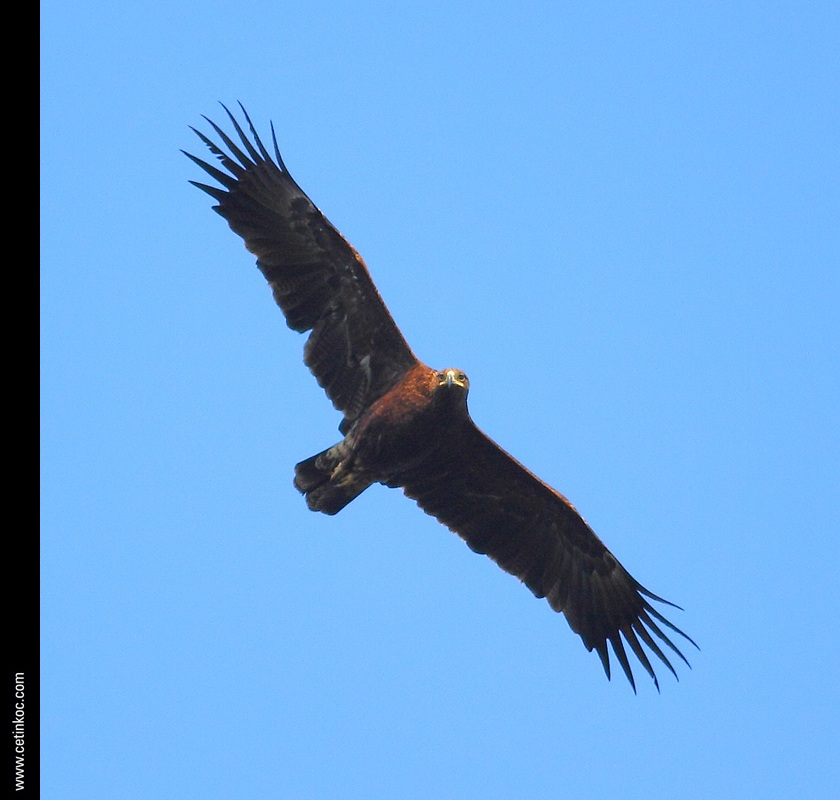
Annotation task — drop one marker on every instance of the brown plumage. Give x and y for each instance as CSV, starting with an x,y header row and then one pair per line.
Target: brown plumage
x,y
406,425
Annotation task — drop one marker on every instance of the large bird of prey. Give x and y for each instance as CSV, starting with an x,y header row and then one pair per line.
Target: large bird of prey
x,y
406,425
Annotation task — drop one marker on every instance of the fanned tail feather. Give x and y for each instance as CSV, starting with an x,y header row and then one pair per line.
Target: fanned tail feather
x,y
326,485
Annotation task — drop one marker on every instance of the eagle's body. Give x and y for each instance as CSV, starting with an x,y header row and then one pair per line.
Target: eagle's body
x,y
406,425
398,435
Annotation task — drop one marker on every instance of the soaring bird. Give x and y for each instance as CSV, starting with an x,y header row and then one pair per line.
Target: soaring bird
x,y
406,425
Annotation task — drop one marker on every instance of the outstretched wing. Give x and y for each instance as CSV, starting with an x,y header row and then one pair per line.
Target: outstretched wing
x,y
501,509
355,350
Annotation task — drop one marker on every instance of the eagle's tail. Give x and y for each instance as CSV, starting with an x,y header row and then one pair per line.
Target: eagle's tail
x,y
326,482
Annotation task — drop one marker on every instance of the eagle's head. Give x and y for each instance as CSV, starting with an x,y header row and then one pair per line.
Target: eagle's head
x,y
453,379
452,388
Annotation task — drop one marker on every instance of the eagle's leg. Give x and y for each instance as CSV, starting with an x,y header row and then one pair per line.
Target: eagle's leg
x,y
328,480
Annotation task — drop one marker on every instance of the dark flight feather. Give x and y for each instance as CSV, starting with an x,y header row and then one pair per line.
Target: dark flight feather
x,y
407,426
355,350
502,510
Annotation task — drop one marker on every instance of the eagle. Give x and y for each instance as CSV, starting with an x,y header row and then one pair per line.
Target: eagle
x,y
406,425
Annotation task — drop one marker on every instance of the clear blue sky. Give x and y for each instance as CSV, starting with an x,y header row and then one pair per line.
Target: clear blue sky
x,y
621,220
